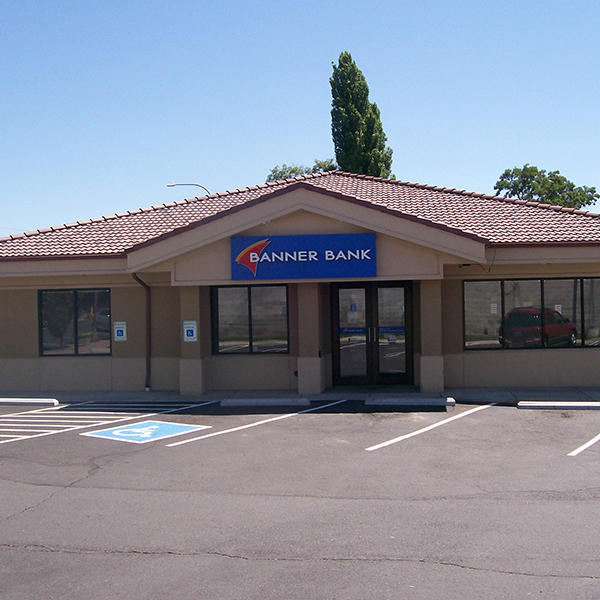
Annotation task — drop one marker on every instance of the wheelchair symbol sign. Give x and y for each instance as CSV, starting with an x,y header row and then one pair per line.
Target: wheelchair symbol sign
x,y
146,431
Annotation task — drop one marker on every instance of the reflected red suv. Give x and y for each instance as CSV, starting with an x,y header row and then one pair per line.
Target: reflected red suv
x,y
523,328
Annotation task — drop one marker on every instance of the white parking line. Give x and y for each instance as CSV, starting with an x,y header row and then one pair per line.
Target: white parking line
x,y
584,446
428,428
255,424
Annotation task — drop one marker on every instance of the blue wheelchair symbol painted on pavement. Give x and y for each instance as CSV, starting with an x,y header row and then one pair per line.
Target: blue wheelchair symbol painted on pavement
x,y
146,431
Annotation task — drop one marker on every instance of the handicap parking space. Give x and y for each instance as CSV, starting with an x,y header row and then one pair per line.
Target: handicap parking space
x,y
45,421
482,498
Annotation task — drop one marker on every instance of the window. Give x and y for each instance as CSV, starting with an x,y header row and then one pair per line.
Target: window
x,y
250,319
562,310
74,322
591,311
531,313
483,314
522,314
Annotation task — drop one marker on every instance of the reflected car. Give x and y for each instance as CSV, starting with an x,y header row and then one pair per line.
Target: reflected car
x,y
523,328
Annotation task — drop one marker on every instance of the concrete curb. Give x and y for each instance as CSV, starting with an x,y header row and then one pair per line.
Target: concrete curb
x,y
249,402
408,401
557,405
43,401
387,401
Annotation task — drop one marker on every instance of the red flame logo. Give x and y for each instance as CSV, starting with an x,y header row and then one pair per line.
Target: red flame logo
x,y
243,258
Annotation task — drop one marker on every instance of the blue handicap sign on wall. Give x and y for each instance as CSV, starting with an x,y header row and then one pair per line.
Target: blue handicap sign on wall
x,y
146,431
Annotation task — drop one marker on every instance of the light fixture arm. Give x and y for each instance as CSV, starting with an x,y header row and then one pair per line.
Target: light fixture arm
x,y
196,184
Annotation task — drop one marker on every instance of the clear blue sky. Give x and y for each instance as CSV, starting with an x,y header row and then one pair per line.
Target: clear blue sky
x,y
104,103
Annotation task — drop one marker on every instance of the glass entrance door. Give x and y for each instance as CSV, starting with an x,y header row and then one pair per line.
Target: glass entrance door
x,y
352,333
371,342
390,331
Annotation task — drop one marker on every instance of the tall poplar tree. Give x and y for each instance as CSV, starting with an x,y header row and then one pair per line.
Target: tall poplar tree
x,y
358,136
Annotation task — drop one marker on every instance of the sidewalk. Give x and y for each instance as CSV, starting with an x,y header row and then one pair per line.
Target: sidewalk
x,y
512,396
385,397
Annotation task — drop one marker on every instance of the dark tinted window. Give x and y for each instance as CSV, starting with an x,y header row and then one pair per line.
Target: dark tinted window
x,y
483,314
74,322
514,308
562,300
249,319
591,311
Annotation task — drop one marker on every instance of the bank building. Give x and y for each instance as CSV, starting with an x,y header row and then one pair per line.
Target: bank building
x,y
303,285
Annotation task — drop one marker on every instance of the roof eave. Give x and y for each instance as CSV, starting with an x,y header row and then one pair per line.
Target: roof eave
x,y
571,244
49,257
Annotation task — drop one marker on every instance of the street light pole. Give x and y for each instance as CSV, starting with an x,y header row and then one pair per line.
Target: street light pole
x,y
196,184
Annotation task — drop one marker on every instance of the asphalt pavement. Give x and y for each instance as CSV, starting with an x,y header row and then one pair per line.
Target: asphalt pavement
x,y
328,501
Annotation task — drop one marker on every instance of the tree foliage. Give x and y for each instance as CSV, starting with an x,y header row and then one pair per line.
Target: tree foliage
x,y
285,171
358,136
533,184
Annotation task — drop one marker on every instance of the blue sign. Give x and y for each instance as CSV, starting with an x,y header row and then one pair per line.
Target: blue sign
x,y
351,330
146,431
392,330
303,256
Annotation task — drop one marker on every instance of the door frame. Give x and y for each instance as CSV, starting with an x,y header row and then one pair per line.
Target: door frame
x,y
373,376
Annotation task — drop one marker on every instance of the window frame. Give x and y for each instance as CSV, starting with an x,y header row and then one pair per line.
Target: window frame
x,y
214,313
581,307
75,353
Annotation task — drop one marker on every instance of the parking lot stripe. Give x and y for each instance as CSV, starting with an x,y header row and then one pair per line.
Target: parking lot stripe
x,y
49,421
428,428
255,424
25,430
585,446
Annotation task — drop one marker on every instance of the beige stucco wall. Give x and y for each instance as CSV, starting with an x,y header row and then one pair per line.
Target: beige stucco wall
x,y
552,367
22,369
431,362
396,259
19,324
251,372
438,328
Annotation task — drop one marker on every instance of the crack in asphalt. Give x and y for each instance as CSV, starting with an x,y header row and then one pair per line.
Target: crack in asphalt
x,y
581,494
93,466
349,559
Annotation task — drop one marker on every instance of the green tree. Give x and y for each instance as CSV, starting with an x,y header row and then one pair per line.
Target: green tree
x,y
533,184
285,171
358,136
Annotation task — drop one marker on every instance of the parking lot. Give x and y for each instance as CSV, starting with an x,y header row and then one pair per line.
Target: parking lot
x,y
327,501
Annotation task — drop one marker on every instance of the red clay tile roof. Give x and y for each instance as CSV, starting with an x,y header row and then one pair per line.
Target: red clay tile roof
x,y
494,220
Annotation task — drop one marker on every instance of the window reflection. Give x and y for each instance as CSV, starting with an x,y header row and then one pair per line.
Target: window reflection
x,y
591,311
75,322
269,319
93,322
250,319
233,321
532,313
562,308
483,314
57,322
